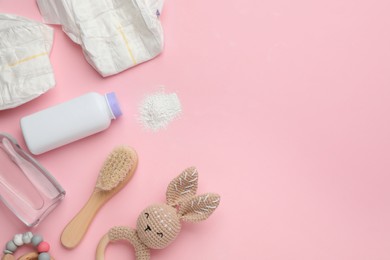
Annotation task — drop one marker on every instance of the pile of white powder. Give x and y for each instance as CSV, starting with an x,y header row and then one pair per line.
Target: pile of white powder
x,y
157,110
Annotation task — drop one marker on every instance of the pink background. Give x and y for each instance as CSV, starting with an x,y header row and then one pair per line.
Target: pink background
x,y
285,114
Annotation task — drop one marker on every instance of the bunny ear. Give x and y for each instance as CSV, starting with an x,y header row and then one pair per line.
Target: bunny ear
x,y
183,186
198,208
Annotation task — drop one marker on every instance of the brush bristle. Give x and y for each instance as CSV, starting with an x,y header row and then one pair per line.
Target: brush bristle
x,y
116,167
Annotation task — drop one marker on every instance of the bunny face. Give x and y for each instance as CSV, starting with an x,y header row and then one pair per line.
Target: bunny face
x,y
158,225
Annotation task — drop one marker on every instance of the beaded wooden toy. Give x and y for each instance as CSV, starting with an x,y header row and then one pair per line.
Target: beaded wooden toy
x,y
25,239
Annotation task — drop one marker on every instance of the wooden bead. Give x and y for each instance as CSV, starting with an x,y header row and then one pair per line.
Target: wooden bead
x,y
29,256
8,257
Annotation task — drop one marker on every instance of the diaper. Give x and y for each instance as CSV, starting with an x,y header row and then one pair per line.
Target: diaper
x,y
114,34
25,68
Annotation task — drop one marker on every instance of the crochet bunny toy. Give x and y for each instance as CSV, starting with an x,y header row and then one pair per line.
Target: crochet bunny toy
x,y
159,224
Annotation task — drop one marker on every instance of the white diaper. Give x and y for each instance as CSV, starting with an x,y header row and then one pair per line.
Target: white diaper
x,y
25,68
114,34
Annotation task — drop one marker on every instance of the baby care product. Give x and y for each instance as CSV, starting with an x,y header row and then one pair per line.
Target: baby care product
x,y
26,188
41,251
157,110
114,35
25,68
159,224
69,121
115,173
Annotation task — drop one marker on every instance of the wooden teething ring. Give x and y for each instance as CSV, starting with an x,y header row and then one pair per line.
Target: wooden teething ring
x,y
102,247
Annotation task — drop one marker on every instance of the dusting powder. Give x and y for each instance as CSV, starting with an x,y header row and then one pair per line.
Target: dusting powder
x,y
157,110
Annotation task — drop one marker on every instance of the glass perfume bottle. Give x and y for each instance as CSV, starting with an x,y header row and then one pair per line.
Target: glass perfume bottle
x,y
26,188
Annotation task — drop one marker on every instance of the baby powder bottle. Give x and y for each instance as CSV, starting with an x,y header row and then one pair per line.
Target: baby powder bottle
x,y
69,121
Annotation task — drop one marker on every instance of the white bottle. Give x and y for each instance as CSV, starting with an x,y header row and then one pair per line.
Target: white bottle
x,y
69,121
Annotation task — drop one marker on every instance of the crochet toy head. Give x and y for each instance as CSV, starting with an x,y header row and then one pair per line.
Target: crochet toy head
x,y
159,224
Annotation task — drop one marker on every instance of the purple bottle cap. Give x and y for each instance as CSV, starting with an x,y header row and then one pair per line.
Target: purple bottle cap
x,y
114,104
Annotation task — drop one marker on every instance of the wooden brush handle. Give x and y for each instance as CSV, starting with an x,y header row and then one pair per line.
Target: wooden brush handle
x,y
78,226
